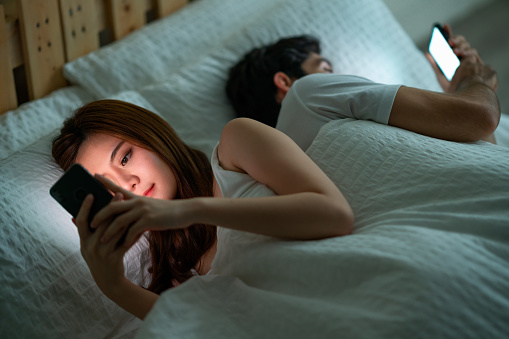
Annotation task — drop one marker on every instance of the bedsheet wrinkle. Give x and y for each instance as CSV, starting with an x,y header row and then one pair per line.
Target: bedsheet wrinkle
x,y
407,271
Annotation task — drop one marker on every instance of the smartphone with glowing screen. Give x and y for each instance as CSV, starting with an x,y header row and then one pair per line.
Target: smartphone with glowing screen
x,y
442,52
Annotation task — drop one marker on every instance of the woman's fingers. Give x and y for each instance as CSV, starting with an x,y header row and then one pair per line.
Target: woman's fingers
x,y
105,216
110,211
133,234
121,224
81,220
114,188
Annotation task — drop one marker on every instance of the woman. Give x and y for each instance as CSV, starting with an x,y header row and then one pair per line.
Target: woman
x,y
164,186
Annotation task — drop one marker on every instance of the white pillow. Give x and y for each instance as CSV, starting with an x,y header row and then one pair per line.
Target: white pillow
x,y
29,122
359,37
194,103
162,47
47,290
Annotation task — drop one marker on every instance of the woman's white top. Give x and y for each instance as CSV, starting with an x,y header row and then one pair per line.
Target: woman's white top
x,y
235,184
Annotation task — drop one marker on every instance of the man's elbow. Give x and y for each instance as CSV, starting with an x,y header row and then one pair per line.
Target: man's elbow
x,y
480,121
489,119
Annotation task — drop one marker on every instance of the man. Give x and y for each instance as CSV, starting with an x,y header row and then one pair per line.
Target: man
x,y
270,85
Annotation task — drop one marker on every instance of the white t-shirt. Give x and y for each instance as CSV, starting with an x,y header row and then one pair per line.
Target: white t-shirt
x,y
317,99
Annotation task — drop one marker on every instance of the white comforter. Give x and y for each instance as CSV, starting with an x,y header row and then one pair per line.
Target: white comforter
x,y
429,256
410,260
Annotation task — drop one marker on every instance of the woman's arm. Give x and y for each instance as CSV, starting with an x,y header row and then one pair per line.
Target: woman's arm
x,y
308,204
105,262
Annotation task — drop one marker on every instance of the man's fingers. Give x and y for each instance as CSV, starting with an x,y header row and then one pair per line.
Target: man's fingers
x,y
448,29
431,60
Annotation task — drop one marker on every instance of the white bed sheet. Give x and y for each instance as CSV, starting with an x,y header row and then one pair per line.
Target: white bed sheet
x,y
39,243
429,257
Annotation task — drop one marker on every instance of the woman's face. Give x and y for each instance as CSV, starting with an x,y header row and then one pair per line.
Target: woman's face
x,y
130,167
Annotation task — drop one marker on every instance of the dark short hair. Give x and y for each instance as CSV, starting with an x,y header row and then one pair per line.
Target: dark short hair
x,y
250,86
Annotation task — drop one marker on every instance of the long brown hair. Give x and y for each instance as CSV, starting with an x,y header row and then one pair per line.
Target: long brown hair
x,y
173,253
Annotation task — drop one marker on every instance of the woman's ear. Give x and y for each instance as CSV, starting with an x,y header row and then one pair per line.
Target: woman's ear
x,y
283,83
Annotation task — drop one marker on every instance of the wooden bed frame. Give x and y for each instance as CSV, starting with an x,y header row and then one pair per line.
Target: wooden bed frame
x,y
40,36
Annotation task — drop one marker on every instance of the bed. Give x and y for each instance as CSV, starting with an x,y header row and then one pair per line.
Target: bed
x,y
429,256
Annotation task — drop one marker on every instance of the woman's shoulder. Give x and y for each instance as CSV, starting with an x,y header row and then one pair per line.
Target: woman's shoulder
x,y
240,137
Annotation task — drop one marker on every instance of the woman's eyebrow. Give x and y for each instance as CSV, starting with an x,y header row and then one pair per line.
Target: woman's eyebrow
x,y
114,153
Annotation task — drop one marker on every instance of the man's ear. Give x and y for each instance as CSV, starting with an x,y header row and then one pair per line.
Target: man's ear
x,y
283,83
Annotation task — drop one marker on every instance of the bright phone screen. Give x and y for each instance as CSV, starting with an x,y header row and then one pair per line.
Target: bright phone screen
x,y
442,53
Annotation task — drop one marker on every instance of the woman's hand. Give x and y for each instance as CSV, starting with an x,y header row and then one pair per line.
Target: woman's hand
x,y
126,219
105,261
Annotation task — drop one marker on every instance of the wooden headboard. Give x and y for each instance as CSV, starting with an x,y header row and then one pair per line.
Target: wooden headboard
x,y
39,36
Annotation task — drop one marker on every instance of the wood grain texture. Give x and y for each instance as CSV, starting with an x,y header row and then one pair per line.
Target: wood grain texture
x,y
126,16
43,49
80,28
166,7
8,99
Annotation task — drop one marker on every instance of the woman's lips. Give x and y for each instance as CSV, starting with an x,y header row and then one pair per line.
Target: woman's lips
x,y
149,191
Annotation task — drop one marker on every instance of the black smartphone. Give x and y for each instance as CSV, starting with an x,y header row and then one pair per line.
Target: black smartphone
x,y
442,52
72,188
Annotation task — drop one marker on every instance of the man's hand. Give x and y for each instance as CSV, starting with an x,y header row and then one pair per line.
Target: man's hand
x,y
471,68
468,110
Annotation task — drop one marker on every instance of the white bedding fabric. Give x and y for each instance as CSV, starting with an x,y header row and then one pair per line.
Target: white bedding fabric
x,y
429,257
359,37
35,119
156,51
47,290
177,68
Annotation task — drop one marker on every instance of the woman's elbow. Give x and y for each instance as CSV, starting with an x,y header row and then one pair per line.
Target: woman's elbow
x,y
349,221
344,220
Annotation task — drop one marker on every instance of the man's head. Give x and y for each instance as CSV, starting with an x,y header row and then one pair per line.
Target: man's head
x,y
258,83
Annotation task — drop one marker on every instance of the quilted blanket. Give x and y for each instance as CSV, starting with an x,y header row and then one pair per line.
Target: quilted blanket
x,y
429,257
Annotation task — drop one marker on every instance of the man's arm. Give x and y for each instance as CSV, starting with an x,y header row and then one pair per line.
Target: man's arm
x,y
468,110
470,113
